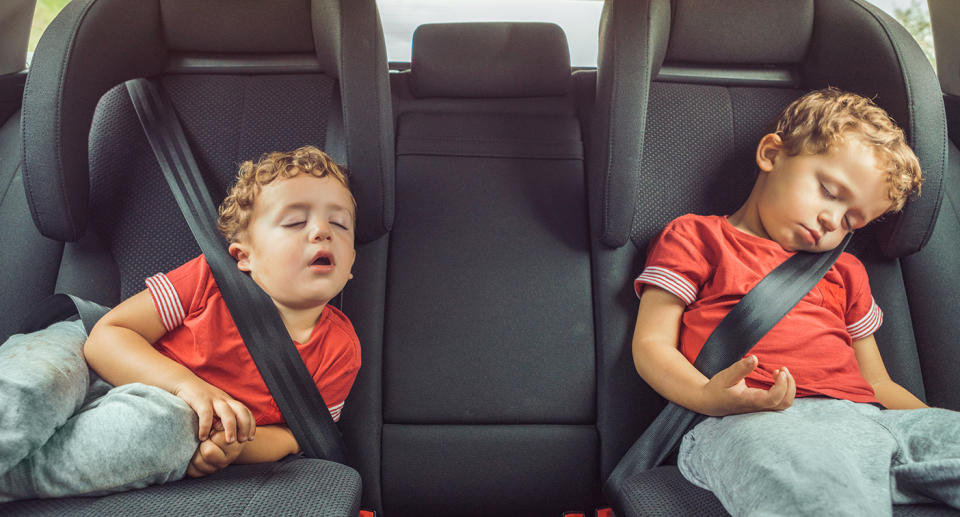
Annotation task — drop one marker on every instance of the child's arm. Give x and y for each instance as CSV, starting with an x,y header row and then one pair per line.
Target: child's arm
x,y
889,393
272,443
666,370
120,349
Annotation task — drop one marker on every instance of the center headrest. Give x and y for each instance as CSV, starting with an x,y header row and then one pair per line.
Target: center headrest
x,y
745,32
496,59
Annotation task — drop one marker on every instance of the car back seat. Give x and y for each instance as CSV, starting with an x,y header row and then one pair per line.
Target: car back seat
x,y
717,92
488,384
245,78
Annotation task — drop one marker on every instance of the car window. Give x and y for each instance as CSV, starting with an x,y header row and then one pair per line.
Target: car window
x,y
580,20
915,16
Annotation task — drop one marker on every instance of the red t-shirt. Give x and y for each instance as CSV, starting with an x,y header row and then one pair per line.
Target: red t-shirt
x,y
202,336
711,265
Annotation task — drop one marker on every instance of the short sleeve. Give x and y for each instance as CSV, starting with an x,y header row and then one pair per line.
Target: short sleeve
x,y
863,316
675,262
174,292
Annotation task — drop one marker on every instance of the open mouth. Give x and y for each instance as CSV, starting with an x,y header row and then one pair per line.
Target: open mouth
x,y
322,259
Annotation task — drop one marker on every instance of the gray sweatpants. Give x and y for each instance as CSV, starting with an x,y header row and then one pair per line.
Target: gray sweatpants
x,y
64,431
826,457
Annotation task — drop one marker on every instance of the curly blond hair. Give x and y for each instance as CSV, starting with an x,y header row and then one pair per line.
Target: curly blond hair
x,y
824,118
238,205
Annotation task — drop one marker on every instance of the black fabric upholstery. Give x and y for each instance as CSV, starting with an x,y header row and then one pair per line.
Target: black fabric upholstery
x,y
664,492
470,361
467,471
351,29
714,169
928,277
633,37
744,32
507,59
295,486
29,259
624,402
11,94
59,101
499,417
362,416
248,26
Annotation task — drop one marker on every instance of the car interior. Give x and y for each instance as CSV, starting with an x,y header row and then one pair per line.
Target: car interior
x,y
506,200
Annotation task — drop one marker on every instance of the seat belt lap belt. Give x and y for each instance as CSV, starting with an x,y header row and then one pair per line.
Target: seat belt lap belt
x,y
254,313
749,320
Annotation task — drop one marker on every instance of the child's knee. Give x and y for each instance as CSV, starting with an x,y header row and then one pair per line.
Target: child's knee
x,y
157,415
162,422
43,376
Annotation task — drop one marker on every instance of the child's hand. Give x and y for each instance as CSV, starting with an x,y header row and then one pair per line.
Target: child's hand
x,y
726,393
208,401
214,454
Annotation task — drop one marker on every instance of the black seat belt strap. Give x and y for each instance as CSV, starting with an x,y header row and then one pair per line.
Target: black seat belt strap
x,y
749,320
253,311
60,307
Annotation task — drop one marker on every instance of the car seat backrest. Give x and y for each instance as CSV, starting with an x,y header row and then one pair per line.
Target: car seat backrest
x,y
726,76
175,36
265,77
613,100
488,362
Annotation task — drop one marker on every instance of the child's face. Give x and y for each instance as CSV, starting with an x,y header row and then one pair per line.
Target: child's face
x,y
298,246
810,202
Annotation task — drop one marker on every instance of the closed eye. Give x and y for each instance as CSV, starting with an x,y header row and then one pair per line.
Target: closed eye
x,y
339,225
295,224
826,193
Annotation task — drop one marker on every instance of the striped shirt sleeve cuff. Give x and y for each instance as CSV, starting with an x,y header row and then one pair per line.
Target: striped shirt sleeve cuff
x,y
868,324
668,280
166,300
335,411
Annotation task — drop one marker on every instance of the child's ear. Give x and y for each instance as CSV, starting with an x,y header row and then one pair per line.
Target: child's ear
x,y
767,150
241,255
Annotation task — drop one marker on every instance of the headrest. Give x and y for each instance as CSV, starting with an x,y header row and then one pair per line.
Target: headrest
x,y
497,59
824,41
249,26
901,80
743,32
633,40
78,60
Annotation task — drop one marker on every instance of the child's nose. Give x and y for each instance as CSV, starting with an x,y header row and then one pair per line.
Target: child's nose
x,y
830,220
321,231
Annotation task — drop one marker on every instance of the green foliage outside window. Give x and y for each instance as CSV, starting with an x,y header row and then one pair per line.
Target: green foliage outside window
x,y
46,11
916,19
